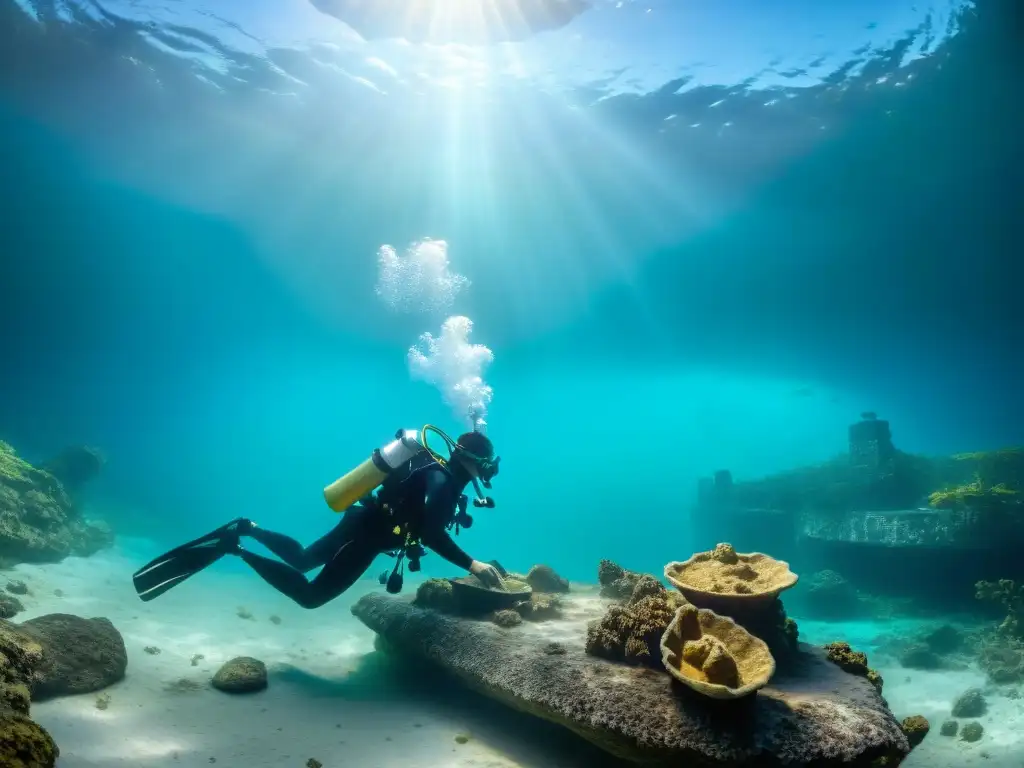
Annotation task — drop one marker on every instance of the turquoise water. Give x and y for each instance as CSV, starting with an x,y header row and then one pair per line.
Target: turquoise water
x,y
693,236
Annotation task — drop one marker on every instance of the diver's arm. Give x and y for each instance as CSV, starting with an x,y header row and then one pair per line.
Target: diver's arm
x,y
439,507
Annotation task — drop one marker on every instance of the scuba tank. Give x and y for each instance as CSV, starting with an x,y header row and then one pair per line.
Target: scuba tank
x,y
365,478
368,476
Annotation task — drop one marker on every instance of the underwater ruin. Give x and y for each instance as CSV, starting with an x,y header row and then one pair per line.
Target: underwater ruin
x,y
711,672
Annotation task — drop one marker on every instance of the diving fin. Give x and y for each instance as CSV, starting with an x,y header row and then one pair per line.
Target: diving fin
x,y
173,567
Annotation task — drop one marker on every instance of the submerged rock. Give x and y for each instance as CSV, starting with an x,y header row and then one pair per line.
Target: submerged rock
x,y
970,703
542,578
972,731
243,674
78,655
23,742
815,715
916,727
39,522
10,606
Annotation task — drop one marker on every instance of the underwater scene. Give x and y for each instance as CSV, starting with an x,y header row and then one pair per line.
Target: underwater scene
x,y
511,383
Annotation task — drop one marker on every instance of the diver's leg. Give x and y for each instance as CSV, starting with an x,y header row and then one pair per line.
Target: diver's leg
x,y
349,563
305,559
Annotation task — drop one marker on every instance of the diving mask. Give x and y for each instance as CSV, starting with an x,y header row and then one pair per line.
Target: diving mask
x,y
487,468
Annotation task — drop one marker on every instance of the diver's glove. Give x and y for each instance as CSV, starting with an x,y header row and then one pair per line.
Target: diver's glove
x,y
487,574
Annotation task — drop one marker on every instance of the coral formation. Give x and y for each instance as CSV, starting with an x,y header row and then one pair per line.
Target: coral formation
x,y
616,582
949,728
631,633
1001,653
1010,595
506,618
714,655
717,578
542,578
39,521
242,674
970,703
916,727
435,594
540,607
854,662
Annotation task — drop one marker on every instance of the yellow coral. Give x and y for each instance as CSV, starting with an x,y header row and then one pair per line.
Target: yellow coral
x,y
714,655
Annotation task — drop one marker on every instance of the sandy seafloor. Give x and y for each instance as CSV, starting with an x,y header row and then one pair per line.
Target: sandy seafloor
x,y
331,697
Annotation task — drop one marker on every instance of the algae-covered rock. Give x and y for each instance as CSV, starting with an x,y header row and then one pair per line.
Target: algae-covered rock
x,y
854,662
242,674
506,618
23,743
10,606
972,731
436,594
39,521
916,727
540,607
970,703
813,715
542,578
714,655
78,655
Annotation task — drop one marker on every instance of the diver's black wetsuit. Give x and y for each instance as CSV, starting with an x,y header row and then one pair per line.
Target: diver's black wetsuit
x,y
424,501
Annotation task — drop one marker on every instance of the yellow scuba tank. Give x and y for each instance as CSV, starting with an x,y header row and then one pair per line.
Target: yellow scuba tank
x,y
368,476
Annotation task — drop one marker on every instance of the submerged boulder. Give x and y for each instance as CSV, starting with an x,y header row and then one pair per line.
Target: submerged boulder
x,y
77,655
812,713
242,674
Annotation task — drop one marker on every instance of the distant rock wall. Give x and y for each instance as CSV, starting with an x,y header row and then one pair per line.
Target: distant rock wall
x,y
39,521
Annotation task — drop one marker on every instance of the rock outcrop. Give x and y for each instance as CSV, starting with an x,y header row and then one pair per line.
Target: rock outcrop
x,y
76,655
812,713
39,522
23,742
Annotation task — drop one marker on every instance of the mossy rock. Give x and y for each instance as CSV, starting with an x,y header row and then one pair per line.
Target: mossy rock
x,y
435,594
854,662
242,674
916,727
24,743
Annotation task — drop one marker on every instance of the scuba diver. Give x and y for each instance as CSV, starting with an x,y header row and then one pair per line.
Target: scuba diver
x,y
419,498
